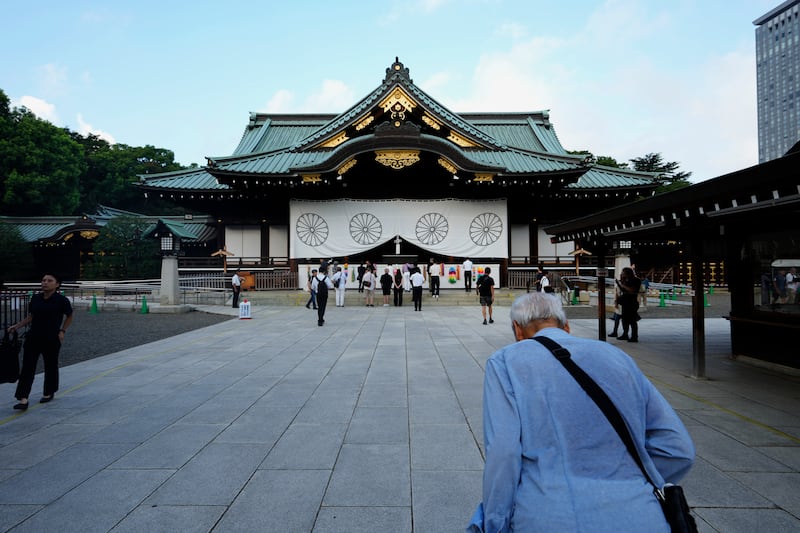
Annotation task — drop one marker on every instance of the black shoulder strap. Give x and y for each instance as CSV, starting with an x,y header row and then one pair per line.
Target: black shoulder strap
x,y
600,398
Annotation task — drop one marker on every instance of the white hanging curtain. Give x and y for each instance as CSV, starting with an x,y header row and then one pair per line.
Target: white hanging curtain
x,y
461,228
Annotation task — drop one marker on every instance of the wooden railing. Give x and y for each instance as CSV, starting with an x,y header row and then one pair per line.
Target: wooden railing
x,y
231,263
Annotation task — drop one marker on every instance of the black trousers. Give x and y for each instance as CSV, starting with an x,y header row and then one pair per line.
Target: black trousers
x,y
236,293
398,296
48,349
434,285
468,280
322,303
416,297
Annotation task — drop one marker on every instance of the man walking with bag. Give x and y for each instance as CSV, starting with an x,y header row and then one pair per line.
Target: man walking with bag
x,y
553,461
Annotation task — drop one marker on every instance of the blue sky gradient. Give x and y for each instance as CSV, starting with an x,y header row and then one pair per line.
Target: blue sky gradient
x,y
620,77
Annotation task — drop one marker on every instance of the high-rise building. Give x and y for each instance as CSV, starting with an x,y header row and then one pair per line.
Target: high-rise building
x,y
778,78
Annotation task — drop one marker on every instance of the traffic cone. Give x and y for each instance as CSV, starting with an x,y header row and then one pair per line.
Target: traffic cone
x,y
93,309
144,309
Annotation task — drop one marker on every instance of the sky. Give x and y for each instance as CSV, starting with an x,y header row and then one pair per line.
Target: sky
x,y
620,78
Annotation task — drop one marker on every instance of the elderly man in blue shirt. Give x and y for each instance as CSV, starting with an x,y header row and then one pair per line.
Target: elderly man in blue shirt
x,y
553,461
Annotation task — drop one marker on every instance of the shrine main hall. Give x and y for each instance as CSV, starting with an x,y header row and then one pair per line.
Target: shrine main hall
x,y
397,178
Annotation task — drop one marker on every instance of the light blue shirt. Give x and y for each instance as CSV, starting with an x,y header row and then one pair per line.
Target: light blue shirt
x,y
554,462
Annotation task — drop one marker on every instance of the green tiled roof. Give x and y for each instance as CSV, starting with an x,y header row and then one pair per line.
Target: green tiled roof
x,y
34,229
264,134
600,177
283,145
195,179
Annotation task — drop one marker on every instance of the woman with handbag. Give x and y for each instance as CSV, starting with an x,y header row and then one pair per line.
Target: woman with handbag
x,y
46,311
553,463
629,286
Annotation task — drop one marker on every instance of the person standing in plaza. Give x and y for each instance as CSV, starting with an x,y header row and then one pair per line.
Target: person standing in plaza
x,y
362,268
321,284
368,282
236,285
397,287
553,462
407,269
466,266
49,316
386,286
485,288
434,271
629,285
417,280
312,293
340,285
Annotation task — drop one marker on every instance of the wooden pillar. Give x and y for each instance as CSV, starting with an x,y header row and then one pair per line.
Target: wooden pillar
x,y
266,257
601,291
698,311
533,242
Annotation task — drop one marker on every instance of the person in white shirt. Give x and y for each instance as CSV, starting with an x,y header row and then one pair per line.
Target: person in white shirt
x,y
321,284
339,283
467,268
416,288
407,277
236,285
434,271
544,283
368,282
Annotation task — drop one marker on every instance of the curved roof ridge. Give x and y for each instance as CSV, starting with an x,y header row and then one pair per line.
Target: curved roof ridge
x,y
342,118
397,76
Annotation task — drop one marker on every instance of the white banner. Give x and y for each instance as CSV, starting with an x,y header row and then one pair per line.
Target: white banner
x,y
459,228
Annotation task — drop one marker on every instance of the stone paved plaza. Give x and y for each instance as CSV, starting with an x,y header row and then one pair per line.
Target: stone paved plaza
x,y
370,423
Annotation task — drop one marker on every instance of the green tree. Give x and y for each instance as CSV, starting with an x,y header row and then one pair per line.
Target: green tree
x,y
604,160
120,252
40,165
112,169
669,175
16,255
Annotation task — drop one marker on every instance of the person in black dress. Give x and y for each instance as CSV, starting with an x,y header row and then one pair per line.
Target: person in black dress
x,y
46,311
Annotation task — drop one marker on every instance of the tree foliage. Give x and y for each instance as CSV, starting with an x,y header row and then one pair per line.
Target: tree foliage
x,y
120,252
604,160
40,165
16,262
112,170
669,177
46,170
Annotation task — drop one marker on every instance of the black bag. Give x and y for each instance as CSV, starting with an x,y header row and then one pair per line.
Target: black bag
x,y
9,357
322,287
671,497
676,509
336,282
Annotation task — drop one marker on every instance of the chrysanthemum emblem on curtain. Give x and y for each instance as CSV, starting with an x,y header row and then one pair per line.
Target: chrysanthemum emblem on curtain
x,y
432,228
365,228
485,229
312,229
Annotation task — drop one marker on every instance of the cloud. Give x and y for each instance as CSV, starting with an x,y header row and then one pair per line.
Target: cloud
x,y
333,96
42,109
84,128
520,79
53,78
281,102
612,91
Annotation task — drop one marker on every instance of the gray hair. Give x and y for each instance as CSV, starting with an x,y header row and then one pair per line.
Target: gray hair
x,y
534,306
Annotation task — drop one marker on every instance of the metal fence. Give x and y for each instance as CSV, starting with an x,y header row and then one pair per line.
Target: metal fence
x,y
13,307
